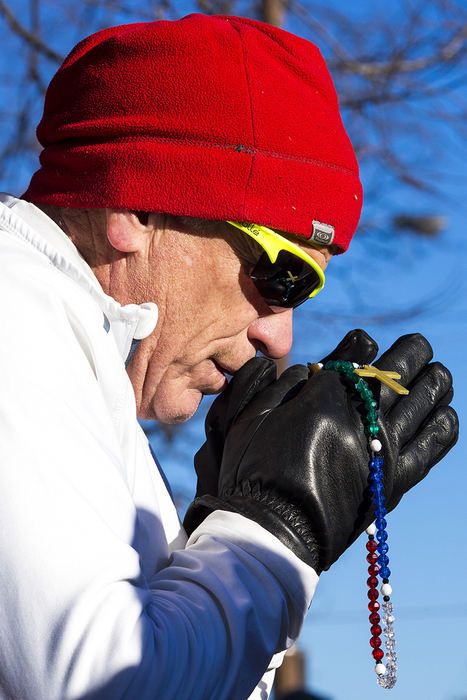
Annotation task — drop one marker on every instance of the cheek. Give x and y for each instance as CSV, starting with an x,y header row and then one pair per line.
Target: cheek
x,y
211,321
220,312
172,402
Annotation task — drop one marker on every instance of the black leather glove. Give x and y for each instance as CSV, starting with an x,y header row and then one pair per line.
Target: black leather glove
x,y
295,460
256,375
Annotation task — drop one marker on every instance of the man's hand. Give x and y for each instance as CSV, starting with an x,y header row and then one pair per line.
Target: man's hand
x,y
295,459
254,376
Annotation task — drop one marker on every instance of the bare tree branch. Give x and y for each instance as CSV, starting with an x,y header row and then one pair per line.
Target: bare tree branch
x,y
29,37
455,48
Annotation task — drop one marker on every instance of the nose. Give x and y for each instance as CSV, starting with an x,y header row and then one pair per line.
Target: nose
x,y
272,334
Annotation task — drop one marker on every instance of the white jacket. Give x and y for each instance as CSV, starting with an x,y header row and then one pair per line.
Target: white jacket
x,y
100,594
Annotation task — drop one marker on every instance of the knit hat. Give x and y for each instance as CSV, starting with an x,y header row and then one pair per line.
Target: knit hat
x,y
208,116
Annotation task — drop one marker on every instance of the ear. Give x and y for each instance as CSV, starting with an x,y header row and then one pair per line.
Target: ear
x,y
125,231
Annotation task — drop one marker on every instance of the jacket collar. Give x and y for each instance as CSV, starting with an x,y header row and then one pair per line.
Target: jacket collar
x,y
129,323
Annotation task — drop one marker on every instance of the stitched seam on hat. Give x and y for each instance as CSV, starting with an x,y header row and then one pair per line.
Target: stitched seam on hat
x,y
238,148
251,115
254,24
277,40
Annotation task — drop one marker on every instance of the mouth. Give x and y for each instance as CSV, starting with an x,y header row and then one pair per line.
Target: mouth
x,y
221,375
227,372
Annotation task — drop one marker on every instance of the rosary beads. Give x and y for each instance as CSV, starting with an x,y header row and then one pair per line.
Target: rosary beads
x,y
377,546
378,561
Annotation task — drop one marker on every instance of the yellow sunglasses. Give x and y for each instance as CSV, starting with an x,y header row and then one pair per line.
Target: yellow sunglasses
x,y
284,275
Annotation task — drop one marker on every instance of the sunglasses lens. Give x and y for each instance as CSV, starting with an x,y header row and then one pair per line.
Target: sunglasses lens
x,y
288,282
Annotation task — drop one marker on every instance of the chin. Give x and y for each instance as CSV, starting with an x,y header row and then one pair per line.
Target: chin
x,y
172,409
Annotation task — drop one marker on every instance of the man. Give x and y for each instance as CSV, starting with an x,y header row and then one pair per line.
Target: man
x,y
134,286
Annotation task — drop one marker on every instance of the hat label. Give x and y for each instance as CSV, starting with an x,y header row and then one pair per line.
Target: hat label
x,y
322,233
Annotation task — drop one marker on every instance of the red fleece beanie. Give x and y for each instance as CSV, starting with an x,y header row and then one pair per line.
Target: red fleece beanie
x,y
208,116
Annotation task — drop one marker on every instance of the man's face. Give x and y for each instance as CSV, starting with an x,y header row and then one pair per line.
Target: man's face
x,y
211,320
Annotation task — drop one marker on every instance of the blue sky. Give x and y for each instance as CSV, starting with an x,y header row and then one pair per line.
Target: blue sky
x,y
372,286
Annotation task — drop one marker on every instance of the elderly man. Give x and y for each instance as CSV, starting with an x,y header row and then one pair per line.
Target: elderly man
x,y
195,180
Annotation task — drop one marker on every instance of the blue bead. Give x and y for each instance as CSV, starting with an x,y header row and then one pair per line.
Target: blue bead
x,y
381,523
379,499
377,462
381,535
380,511
384,572
383,547
383,560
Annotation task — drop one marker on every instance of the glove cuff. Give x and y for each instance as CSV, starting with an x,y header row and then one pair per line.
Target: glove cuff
x,y
284,520
195,514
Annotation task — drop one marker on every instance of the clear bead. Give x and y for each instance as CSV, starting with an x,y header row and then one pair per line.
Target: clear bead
x,y
388,679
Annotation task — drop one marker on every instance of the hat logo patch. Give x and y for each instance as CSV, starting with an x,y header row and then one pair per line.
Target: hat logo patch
x,y
322,233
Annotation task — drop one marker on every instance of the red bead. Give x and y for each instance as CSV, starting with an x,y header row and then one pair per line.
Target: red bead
x,y
375,642
377,654
374,618
373,593
372,582
372,557
371,545
375,630
373,606
373,569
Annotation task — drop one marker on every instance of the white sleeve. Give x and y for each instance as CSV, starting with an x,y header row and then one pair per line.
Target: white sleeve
x,y
77,617
264,687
